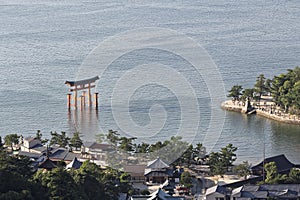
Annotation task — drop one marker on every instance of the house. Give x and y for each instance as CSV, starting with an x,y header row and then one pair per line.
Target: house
x,y
248,192
256,192
157,171
30,144
157,195
136,172
282,163
62,154
94,150
264,192
217,193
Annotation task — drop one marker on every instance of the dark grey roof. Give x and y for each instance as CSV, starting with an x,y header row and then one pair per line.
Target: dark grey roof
x,y
255,195
217,188
281,187
157,174
47,164
250,188
265,191
82,82
75,164
97,146
282,163
39,148
157,164
62,154
30,155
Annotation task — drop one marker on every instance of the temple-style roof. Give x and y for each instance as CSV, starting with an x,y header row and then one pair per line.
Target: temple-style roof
x,y
281,162
157,164
75,164
217,188
82,82
47,164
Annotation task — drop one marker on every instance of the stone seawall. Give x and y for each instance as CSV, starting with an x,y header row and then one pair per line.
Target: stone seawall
x,y
285,118
228,105
290,119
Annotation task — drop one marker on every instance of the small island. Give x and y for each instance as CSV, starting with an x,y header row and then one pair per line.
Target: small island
x,y
277,98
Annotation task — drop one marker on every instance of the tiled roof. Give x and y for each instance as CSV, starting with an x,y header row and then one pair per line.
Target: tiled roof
x,y
217,188
136,169
47,164
75,164
157,164
62,154
281,162
95,145
265,191
30,155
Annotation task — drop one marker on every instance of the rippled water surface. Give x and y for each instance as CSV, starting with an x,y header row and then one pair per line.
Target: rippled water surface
x,y
43,43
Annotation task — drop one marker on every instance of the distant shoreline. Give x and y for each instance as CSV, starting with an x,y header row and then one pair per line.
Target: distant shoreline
x,y
263,110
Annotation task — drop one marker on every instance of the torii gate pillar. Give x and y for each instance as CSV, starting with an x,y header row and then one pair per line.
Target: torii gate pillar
x,y
86,86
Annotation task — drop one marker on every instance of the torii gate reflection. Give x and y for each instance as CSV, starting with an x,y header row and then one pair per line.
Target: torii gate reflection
x,y
84,120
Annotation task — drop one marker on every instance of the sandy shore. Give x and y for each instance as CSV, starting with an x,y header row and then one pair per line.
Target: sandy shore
x,y
263,110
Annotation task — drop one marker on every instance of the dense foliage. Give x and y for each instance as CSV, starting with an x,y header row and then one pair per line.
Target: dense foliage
x,y
273,177
284,88
220,162
173,151
19,181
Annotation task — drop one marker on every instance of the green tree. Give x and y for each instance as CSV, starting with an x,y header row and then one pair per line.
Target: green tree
x,y
172,149
228,155
272,176
247,94
219,162
113,137
200,150
60,184
216,164
243,169
39,136
235,92
15,174
186,157
101,138
76,141
156,147
186,179
126,144
260,85
88,178
285,90
11,139
60,139
143,148
268,86
294,176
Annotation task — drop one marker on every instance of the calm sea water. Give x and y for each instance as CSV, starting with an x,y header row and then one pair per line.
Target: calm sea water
x,y
43,43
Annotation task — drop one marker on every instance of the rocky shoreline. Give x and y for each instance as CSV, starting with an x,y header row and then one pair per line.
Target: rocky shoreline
x,y
263,111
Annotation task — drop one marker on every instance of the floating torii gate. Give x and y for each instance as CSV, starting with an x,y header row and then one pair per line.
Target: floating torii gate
x,y
86,86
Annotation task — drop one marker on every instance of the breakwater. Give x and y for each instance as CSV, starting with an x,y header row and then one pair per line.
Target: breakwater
x,y
264,111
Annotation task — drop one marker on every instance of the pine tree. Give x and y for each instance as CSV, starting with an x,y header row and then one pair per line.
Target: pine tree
x,y
76,141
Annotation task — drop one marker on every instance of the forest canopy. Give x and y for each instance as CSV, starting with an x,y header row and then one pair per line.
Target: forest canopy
x,y
284,88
